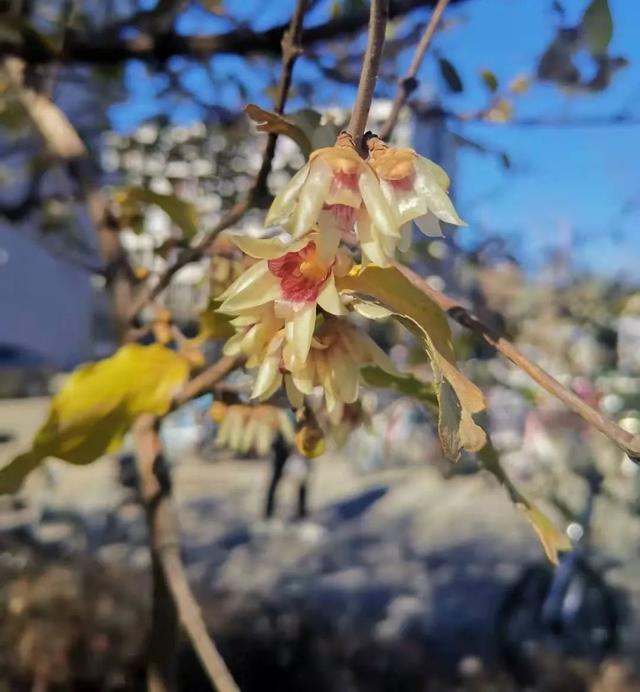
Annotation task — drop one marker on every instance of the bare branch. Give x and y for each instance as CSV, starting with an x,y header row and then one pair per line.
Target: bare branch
x,y
173,598
408,84
109,49
370,66
291,49
625,440
206,380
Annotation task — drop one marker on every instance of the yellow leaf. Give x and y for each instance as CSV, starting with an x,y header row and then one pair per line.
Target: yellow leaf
x,y
458,398
97,405
553,541
267,121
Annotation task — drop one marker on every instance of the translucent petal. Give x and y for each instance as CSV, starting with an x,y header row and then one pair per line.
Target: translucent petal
x,y
369,244
265,248
435,195
312,198
379,211
406,233
327,240
429,225
302,377
268,373
304,323
255,287
233,345
329,298
283,204
275,386
345,375
437,172
407,203
295,396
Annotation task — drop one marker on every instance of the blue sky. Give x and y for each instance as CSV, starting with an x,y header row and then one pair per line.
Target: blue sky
x,y
568,186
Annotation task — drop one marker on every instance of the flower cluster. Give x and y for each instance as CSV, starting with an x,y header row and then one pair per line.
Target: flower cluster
x,y
287,310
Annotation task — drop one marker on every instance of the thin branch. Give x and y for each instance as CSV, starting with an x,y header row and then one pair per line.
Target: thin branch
x,y
173,598
628,442
108,49
408,84
291,45
206,380
370,66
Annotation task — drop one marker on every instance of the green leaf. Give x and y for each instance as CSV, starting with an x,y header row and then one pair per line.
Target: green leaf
x,y
450,76
490,80
553,541
183,214
274,123
404,384
458,398
97,405
597,26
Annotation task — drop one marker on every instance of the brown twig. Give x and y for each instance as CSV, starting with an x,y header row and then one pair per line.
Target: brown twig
x,y
173,599
408,84
206,380
370,65
628,442
291,50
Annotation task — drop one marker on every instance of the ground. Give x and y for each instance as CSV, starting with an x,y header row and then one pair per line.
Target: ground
x,y
402,561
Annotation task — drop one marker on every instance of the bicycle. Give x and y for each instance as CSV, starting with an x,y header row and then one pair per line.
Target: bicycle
x,y
568,611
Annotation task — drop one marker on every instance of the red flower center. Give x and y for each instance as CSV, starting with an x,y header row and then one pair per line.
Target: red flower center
x,y
301,274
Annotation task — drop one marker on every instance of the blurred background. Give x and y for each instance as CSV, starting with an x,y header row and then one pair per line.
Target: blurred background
x,y
379,565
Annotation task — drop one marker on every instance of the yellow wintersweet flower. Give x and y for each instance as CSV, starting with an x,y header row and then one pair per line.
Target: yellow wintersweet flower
x,y
335,183
253,428
415,188
338,351
291,278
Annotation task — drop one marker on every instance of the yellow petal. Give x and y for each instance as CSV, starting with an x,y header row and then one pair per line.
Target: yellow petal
x,y
283,204
256,286
265,248
295,396
268,373
429,225
233,345
312,197
302,377
369,244
437,172
304,322
379,211
329,298
345,376
436,196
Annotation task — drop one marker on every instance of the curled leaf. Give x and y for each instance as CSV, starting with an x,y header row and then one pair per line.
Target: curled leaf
x,y
274,123
553,541
458,398
597,26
